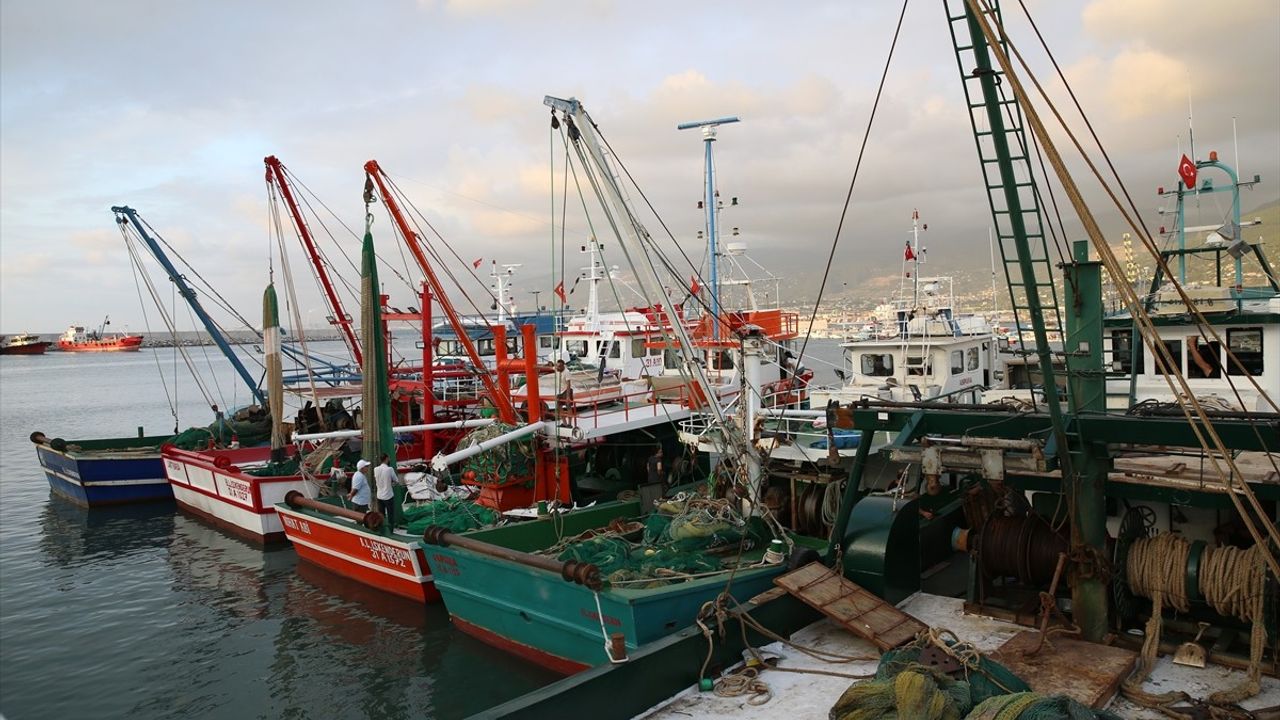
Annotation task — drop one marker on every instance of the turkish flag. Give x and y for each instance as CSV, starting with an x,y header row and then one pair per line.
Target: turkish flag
x,y
560,293
1187,171
476,263
911,255
693,285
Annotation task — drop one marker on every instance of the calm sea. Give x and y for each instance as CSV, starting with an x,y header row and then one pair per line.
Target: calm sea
x,y
146,612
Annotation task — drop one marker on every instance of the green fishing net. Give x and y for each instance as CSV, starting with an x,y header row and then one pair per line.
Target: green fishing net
x,y
453,514
687,537
904,689
503,465
248,427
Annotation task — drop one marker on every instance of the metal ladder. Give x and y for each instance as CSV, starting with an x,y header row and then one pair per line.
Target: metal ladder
x,y
1009,180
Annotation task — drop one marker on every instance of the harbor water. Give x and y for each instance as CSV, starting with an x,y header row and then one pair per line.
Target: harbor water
x,y
145,612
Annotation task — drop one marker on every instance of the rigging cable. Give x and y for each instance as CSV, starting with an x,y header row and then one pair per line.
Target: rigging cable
x,y
835,241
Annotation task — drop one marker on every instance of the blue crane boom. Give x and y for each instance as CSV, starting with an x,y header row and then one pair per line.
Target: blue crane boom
x,y
127,215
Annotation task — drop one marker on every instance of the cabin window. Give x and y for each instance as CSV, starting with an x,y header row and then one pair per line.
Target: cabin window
x,y
1246,345
1204,360
671,359
957,362
654,351
546,342
919,365
722,360
877,364
1122,351
1175,351
615,349
973,359
637,348
577,348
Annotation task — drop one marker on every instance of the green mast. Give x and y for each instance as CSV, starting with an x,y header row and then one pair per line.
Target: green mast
x,y
275,372
377,436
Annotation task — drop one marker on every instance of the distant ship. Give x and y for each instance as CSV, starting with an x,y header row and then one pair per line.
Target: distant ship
x,y
76,339
24,344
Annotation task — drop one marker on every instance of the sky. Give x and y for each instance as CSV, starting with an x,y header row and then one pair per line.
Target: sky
x,y
170,107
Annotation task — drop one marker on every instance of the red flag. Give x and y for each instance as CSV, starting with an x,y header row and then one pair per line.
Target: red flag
x,y
560,293
477,262
910,255
1187,171
694,287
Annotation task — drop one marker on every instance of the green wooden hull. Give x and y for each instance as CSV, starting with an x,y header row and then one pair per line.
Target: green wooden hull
x,y
560,625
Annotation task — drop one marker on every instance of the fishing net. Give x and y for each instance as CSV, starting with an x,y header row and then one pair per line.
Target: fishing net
x,y
507,464
903,688
251,426
687,537
1034,706
457,515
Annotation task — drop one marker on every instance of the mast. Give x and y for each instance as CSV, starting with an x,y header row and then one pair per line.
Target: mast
x,y
501,399
712,207
275,374
633,237
504,300
276,174
127,215
377,435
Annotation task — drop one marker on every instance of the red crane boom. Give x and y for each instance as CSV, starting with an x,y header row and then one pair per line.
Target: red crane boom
x,y
501,400
276,175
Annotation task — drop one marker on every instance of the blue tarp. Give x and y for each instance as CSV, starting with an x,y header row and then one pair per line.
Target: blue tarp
x,y
845,439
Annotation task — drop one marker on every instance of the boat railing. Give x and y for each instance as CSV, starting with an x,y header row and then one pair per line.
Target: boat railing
x,y
635,405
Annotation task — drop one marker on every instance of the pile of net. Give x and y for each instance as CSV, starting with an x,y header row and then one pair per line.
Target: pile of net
x,y
250,425
506,464
907,690
1034,706
687,537
457,515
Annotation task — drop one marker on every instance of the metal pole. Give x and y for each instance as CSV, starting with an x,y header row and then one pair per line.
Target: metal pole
x,y
850,495
573,571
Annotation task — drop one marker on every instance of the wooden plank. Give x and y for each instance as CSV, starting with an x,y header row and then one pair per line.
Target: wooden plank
x,y
850,605
1085,671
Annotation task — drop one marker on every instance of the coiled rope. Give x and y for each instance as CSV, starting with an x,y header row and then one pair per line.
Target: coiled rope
x,y
1231,581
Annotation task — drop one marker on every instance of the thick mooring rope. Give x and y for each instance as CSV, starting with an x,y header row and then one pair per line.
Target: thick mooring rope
x,y
1231,582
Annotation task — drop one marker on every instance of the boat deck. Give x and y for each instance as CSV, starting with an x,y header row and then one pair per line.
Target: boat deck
x,y
800,696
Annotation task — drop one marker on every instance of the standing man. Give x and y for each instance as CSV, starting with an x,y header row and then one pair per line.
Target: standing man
x,y
384,476
653,466
359,495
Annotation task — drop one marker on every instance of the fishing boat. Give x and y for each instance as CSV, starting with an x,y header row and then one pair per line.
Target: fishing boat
x,y
24,344
1093,539
591,586
104,471
77,339
515,447
920,347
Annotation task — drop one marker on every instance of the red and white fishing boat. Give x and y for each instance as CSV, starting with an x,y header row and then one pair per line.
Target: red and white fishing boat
x,y
216,485
77,339
357,546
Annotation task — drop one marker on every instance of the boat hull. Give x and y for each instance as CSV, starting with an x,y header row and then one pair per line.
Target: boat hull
x,y
97,477
124,344
539,616
36,348
218,491
391,563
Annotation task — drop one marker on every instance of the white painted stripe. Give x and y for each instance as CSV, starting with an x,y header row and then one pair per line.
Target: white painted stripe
x,y
372,566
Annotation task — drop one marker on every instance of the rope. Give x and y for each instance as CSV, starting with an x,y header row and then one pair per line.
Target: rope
x,y
1232,582
1169,368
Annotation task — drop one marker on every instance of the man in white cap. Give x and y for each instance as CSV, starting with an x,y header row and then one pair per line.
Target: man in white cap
x,y
359,495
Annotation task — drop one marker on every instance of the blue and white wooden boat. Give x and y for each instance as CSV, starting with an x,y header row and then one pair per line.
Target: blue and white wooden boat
x,y
108,471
